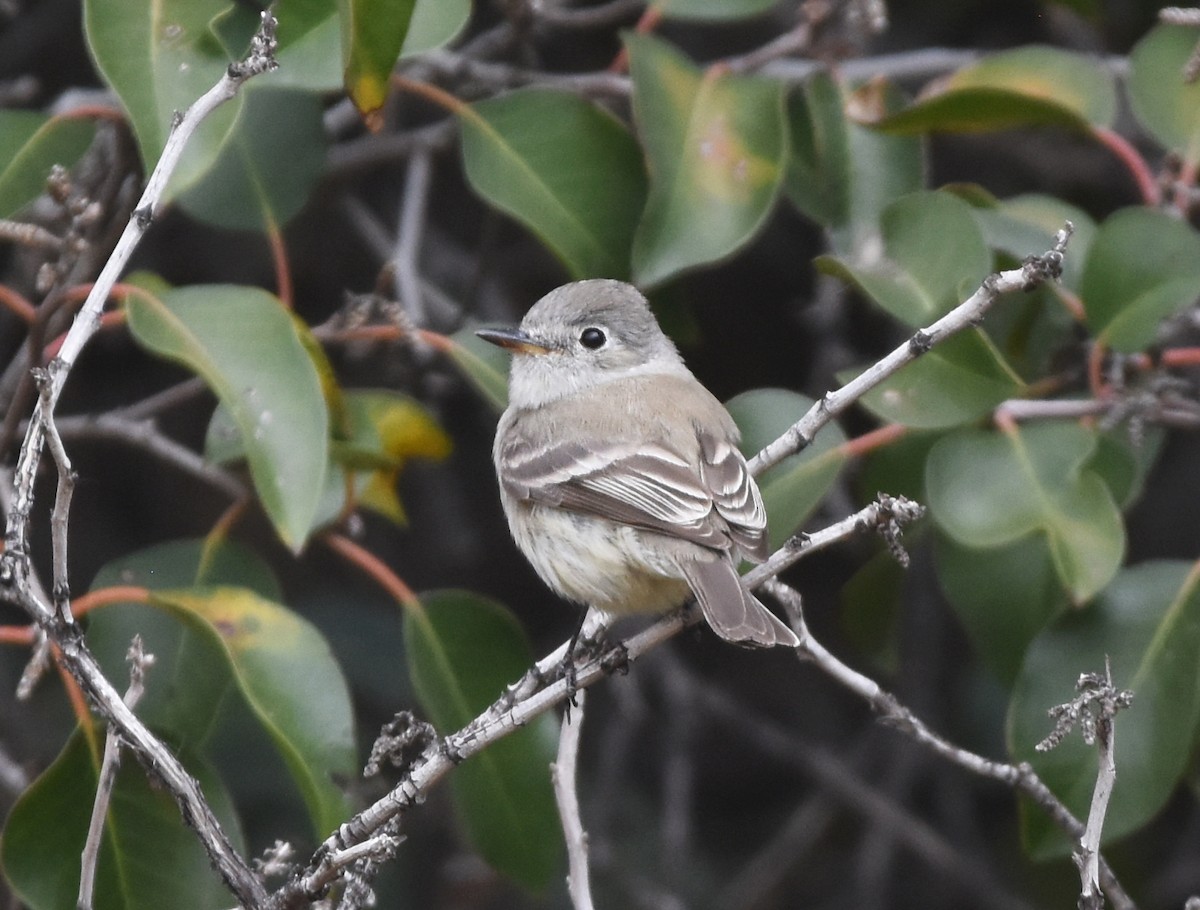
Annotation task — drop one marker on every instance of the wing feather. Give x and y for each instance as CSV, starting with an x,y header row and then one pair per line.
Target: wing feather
x,y
716,505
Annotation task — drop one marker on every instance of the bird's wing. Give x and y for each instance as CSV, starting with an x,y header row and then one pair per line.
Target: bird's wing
x,y
647,486
735,495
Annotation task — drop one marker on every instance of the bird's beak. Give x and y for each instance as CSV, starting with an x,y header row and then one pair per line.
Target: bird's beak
x,y
514,340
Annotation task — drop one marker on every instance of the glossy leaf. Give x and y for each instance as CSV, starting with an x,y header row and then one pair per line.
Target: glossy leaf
x,y
794,488
841,174
373,33
1123,463
990,489
1167,106
1004,596
564,168
483,364
1029,86
30,144
159,56
247,349
287,675
1143,266
713,10
955,383
1147,623
716,148
463,650
267,167
148,859
434,24
192,675
933,258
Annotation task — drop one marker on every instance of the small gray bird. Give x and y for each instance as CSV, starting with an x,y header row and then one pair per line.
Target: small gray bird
x,y
619,472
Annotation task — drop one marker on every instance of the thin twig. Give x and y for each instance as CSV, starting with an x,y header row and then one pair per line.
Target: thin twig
x,y
1020,777
139,662
563,775
1035,271
598,16
144,435
33,236
1093,710
836,778
411,232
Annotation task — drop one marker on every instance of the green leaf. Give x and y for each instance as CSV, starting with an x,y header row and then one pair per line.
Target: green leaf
x,y
933,258
30,144
148,859
434,23
1166,105
1004,596
1123,463
247,348
989,490
1143,266
1029,86
269,164
463,650
159,56
844,175
564,168
1147,623
373,33
483,364
716,147
284,670
871,609
957,382
713,10
193,680
793,489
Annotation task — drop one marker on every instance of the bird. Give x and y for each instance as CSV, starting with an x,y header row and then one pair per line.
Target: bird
x,y
619,472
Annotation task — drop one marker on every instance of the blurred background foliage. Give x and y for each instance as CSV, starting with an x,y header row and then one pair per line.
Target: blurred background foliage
x,y
799,186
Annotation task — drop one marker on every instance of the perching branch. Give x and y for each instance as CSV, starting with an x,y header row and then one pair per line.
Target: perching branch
x,y
527,699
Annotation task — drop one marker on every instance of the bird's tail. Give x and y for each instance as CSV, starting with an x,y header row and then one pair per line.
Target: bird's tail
x,y
733,612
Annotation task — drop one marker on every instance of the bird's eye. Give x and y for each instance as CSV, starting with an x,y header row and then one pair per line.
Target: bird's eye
x,y
592,338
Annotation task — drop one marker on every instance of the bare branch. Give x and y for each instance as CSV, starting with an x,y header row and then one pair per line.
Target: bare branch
x,y
139,663
1093,710
1035,271
562,773
409,235
1020,777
